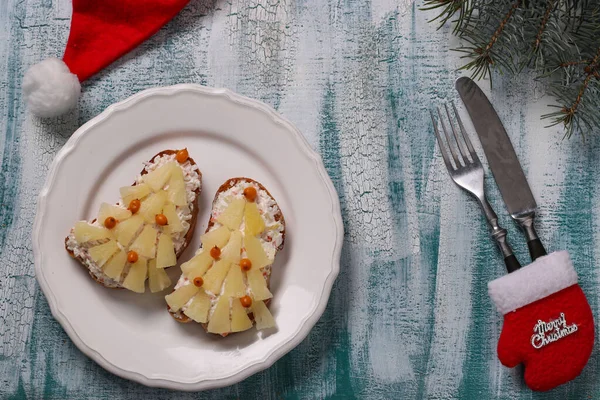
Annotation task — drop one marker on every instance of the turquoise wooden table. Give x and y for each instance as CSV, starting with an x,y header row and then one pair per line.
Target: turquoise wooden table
x,y
409,316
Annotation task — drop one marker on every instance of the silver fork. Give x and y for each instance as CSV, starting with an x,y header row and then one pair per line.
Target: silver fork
x,y
467,172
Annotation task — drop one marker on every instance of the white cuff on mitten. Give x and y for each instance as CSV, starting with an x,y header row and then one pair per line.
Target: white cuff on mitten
x,y
541,278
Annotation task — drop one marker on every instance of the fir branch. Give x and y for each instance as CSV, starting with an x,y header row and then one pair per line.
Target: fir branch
x,y
538,38
450,7
484,58
567,115
571,63
559,40
592,71
496,34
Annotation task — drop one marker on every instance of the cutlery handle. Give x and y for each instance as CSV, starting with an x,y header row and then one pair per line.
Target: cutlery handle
x,y
499,235
512,264
536,248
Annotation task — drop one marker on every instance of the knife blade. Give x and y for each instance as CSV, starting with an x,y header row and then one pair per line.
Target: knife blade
x,y
503,161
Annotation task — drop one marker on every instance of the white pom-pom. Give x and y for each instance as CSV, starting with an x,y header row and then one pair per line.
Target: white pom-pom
x,y
50,88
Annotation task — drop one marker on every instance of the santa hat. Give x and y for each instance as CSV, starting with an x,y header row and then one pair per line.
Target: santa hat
x,y
101,32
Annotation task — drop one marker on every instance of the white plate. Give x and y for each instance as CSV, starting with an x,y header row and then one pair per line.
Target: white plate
x,y
228,135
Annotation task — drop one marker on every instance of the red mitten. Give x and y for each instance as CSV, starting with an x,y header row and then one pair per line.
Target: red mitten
x,y
548,324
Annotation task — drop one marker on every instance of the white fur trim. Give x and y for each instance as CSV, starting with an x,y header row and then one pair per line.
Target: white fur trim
x,y
50,88
541,278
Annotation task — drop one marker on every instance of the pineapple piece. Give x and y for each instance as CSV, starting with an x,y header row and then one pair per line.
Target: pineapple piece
x,y
84,232
176,190
232,216
158,279
136,278
109,210
262,316
217,237
153,205
258,284
254,223
166,230
231,252
102,253
234,283
125,231
158,178
179,297
198,265
138,191
219,320
175,224
114,268
239,319
198,308
213,280
165,252
256,253
274,226
145,244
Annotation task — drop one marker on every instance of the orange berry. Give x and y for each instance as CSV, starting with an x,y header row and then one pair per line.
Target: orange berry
x,y
215,252
246,301
245,264
198,281
132,256
250,193
161,219
182,156
134,206
110,222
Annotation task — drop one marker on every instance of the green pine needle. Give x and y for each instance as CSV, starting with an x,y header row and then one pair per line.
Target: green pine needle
x,y
557,39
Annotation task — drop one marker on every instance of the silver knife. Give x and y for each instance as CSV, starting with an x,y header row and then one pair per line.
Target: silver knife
x,y
503,161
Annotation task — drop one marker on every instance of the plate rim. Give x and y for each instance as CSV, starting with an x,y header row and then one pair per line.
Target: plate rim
x,y
305,326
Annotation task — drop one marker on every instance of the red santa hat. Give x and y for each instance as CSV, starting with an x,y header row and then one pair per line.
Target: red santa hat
x,y
101,32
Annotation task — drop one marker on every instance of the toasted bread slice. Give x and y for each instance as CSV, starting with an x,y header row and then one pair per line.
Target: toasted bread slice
x,y
248,229
108,271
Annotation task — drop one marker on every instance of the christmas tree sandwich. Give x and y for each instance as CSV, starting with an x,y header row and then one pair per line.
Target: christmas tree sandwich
x,y
146,231
225,287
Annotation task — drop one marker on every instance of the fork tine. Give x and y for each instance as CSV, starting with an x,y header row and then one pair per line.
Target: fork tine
x,y
459,144
464,134
441,144
454,155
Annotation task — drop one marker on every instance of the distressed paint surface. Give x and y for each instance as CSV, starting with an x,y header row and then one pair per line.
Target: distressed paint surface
x,y
409,316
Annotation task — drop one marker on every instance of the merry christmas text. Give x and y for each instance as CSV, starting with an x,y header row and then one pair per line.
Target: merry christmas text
x,y
551,331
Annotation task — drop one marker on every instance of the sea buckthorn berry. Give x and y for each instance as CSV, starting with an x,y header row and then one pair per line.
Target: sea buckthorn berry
x,y
182,156
161,219
245,264
198,281
132,256
246,301
134,206
110,222
215,252
250,193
